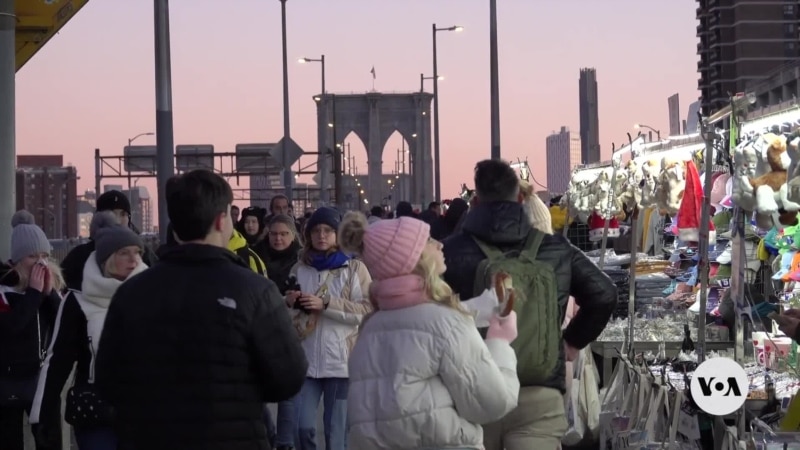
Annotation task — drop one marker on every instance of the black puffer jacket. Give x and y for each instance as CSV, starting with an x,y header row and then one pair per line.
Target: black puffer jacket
x,y
26,324
191,350
279,263
506,225
73,264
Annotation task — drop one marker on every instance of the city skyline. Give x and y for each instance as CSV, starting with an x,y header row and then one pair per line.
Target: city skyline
x,y
226,83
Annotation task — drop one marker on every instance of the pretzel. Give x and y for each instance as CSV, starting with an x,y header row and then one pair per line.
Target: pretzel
x,y
503,286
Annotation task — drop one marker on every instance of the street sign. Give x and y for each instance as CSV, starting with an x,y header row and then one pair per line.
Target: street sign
x,y
294,152
194,157
139,158
256,159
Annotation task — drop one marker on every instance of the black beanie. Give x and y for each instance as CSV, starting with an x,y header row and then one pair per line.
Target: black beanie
x,y
111,200
325,216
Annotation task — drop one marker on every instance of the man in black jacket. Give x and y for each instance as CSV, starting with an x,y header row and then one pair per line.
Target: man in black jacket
x,y
194,346
498,218
73,264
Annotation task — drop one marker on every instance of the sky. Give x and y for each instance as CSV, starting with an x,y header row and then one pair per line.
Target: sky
x,y
92,86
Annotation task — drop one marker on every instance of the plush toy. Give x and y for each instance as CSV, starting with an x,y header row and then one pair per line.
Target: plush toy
x,y
649,183
770,188
671,183
745,160
793,176
630,193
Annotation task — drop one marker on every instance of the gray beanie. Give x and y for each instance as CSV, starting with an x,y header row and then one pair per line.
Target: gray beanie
x,y
26,237
110,236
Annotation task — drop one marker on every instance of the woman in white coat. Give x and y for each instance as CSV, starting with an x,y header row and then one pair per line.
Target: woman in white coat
x,y
421,377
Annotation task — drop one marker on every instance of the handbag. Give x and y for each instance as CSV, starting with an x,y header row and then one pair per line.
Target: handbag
x,y
85,407
19,392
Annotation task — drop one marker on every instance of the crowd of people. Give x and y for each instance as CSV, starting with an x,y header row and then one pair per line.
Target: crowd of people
x,y
394,324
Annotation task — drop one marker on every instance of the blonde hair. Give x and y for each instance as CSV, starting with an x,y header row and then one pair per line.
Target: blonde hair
x,y
352,230
56,276
109,268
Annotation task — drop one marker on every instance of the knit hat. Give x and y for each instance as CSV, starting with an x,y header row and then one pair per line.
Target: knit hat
x,y
393,247
111,200
597,224
539,214
110,236
324,215
26,237
689,212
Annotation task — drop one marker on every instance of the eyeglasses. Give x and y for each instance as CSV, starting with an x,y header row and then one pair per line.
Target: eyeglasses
x,y
323,231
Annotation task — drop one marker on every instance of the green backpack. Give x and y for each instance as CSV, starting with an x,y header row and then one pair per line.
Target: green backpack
x,y
539,333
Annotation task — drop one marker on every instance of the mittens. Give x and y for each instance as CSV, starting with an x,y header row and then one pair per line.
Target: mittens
x,y
504,328
483,306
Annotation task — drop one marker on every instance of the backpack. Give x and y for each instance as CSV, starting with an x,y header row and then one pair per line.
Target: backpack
x,y
538,344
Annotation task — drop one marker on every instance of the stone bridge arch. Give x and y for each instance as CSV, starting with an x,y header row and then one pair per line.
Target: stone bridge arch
x,y
374,117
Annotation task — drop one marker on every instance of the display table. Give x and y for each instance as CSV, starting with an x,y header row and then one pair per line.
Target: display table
x,y
608,351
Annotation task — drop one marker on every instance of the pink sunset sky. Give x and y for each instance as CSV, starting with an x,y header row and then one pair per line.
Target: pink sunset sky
x,y
92,86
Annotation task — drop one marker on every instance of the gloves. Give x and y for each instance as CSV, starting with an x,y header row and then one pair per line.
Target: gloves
x,y
504,328
483,307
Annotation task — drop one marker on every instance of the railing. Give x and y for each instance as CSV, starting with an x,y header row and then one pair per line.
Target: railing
x,y
61,247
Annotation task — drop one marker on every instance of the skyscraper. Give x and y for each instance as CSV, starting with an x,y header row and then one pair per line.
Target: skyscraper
x,y
742,41
590,121
563,154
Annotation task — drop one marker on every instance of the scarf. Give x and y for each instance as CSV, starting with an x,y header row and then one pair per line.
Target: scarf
x,y
322,261
398,292
98,289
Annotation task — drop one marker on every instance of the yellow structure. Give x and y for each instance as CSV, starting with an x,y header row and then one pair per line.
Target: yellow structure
x,y
38,21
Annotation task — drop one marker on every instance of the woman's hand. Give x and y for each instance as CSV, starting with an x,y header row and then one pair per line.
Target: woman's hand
x,y
36,279
291,297
48,281
312,302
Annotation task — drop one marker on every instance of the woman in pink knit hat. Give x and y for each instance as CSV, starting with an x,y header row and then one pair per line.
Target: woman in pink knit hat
x,y
420,374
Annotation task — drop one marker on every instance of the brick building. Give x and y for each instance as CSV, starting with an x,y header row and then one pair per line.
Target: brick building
x,y
49,190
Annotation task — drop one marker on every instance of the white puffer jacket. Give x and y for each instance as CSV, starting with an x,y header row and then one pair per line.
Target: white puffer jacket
x,y
421,377
327,347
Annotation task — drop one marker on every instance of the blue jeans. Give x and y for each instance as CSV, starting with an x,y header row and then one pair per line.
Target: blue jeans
x,y
269,424
287,424
99,438
334,396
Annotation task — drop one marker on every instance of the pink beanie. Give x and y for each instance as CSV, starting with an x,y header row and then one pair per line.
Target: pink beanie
x,y
393,247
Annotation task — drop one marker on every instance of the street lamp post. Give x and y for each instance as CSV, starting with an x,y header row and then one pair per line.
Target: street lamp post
x,y
321,61
422,79
287,168
130,141
494,83
322,100
436,160
639,126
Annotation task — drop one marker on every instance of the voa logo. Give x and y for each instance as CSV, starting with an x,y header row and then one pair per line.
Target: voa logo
x,y
719,386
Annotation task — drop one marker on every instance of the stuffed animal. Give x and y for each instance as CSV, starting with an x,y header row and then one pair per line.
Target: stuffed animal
x,y
649,182
630,193
770,188
601,188
793,176
746,163
671,183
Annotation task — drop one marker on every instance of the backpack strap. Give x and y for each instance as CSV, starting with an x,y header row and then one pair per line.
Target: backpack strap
x,y
530,247
532,243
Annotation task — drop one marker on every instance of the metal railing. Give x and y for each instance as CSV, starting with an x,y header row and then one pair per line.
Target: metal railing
x,y
61,247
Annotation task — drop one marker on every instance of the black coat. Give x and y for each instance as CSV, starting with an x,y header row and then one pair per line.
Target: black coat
x,y
73,264
506,225
26,324
191,350
279,263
